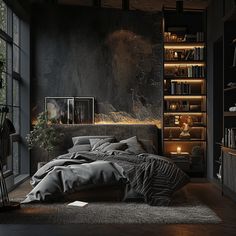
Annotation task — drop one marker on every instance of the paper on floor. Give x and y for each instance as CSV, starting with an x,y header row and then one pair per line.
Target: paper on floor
x,y
78,204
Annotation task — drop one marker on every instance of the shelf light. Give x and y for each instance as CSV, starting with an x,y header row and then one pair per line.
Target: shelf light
x,y
183,64
184,97
183,46
184,113
178,150
188,80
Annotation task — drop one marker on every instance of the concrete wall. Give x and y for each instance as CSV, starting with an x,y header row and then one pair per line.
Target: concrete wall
x,y
112,55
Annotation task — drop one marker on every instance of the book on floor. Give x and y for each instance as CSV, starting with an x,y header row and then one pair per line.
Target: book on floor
x,y
78,204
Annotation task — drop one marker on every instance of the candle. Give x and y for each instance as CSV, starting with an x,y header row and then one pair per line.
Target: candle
x,y
178,150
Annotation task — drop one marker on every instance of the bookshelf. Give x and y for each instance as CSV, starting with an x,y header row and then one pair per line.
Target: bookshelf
x,y
185,91
224,164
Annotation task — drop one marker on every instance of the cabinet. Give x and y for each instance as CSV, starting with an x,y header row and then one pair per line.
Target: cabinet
x,y
229,174
225,166
185,93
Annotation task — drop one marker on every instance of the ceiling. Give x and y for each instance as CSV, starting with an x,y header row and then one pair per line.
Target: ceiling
x,y
144,5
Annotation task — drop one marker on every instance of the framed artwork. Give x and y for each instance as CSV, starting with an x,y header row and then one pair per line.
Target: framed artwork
x,y
70,110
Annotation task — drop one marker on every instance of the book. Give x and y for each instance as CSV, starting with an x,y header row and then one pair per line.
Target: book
x,y
78,204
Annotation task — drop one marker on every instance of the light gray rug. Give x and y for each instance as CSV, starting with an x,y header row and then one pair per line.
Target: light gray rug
x,y
110,213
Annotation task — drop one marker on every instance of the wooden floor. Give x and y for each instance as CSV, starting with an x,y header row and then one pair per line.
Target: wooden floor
x,y
205,192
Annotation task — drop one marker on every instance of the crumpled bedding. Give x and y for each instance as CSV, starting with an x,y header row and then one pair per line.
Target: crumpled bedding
x,y
154,177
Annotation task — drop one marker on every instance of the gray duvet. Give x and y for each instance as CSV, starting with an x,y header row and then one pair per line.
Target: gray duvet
x,y
154,177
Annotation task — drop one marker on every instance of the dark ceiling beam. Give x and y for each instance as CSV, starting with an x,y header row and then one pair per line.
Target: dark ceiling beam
x,y
125,5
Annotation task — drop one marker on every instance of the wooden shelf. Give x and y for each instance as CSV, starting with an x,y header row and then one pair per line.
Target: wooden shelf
x,y
183,44
187,95
185,112
230,88
230,113
184,140
173,62
183,77
177,127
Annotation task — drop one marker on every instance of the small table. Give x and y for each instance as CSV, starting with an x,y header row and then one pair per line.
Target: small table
x,y
182,160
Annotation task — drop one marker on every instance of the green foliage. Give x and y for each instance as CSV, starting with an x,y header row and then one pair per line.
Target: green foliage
x,y
43,135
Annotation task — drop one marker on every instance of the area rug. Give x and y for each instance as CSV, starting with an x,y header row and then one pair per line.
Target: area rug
x,y
109,213
185,209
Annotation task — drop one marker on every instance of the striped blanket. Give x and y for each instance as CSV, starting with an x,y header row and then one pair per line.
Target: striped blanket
x,y
153,177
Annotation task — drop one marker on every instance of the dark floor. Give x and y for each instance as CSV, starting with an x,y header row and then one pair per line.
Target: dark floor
x,y
205,192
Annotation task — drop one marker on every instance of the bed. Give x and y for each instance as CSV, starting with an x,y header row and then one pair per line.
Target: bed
x,y
101,162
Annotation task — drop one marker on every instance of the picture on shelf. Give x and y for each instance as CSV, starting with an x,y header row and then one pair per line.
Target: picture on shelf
x,y
70,110
84,110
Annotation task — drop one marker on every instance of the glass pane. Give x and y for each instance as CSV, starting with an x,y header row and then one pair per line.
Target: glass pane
x,y
16,92
3,16
16,30
16,159
3,89
3,52
16,119
16,59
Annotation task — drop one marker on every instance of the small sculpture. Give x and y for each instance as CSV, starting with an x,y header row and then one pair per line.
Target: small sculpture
x,y
185,124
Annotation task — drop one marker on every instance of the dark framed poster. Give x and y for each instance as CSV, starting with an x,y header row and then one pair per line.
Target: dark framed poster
x,y
69,110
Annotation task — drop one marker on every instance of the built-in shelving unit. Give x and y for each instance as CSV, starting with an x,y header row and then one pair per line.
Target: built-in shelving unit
x,y
224,164
185,92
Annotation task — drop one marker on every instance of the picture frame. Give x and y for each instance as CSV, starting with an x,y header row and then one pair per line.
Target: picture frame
x,y
69,110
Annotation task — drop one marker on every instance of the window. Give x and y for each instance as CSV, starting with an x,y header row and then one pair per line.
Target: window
x,y
10,79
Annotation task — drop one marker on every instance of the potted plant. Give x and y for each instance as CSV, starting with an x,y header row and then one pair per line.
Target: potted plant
x,y
44,135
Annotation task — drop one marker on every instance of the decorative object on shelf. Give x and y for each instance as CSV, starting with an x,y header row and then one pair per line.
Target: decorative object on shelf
x,y
231,84
185,123
232,109
178,150
70,110
230,138
5,203
43,135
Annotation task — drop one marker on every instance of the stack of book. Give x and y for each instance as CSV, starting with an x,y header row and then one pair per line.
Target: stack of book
x,y
200,36
180,88
196,71
198,54
230,138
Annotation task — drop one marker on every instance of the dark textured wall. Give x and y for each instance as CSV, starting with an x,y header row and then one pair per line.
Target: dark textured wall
x,y
113,55
214,99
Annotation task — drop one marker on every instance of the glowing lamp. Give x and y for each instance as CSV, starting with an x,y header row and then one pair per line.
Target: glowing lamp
x,y
178,150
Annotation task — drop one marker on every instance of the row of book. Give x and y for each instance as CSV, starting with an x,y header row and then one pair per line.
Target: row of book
x,y
196,71
198,37
198,54
230,138
180,88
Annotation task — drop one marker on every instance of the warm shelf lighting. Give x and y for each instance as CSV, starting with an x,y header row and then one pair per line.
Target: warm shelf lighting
x,y
188,80
184,113
176,127
183,64
184,97
183,46
178,150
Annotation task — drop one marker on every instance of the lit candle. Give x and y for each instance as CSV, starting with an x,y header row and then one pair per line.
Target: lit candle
x,y
178,150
